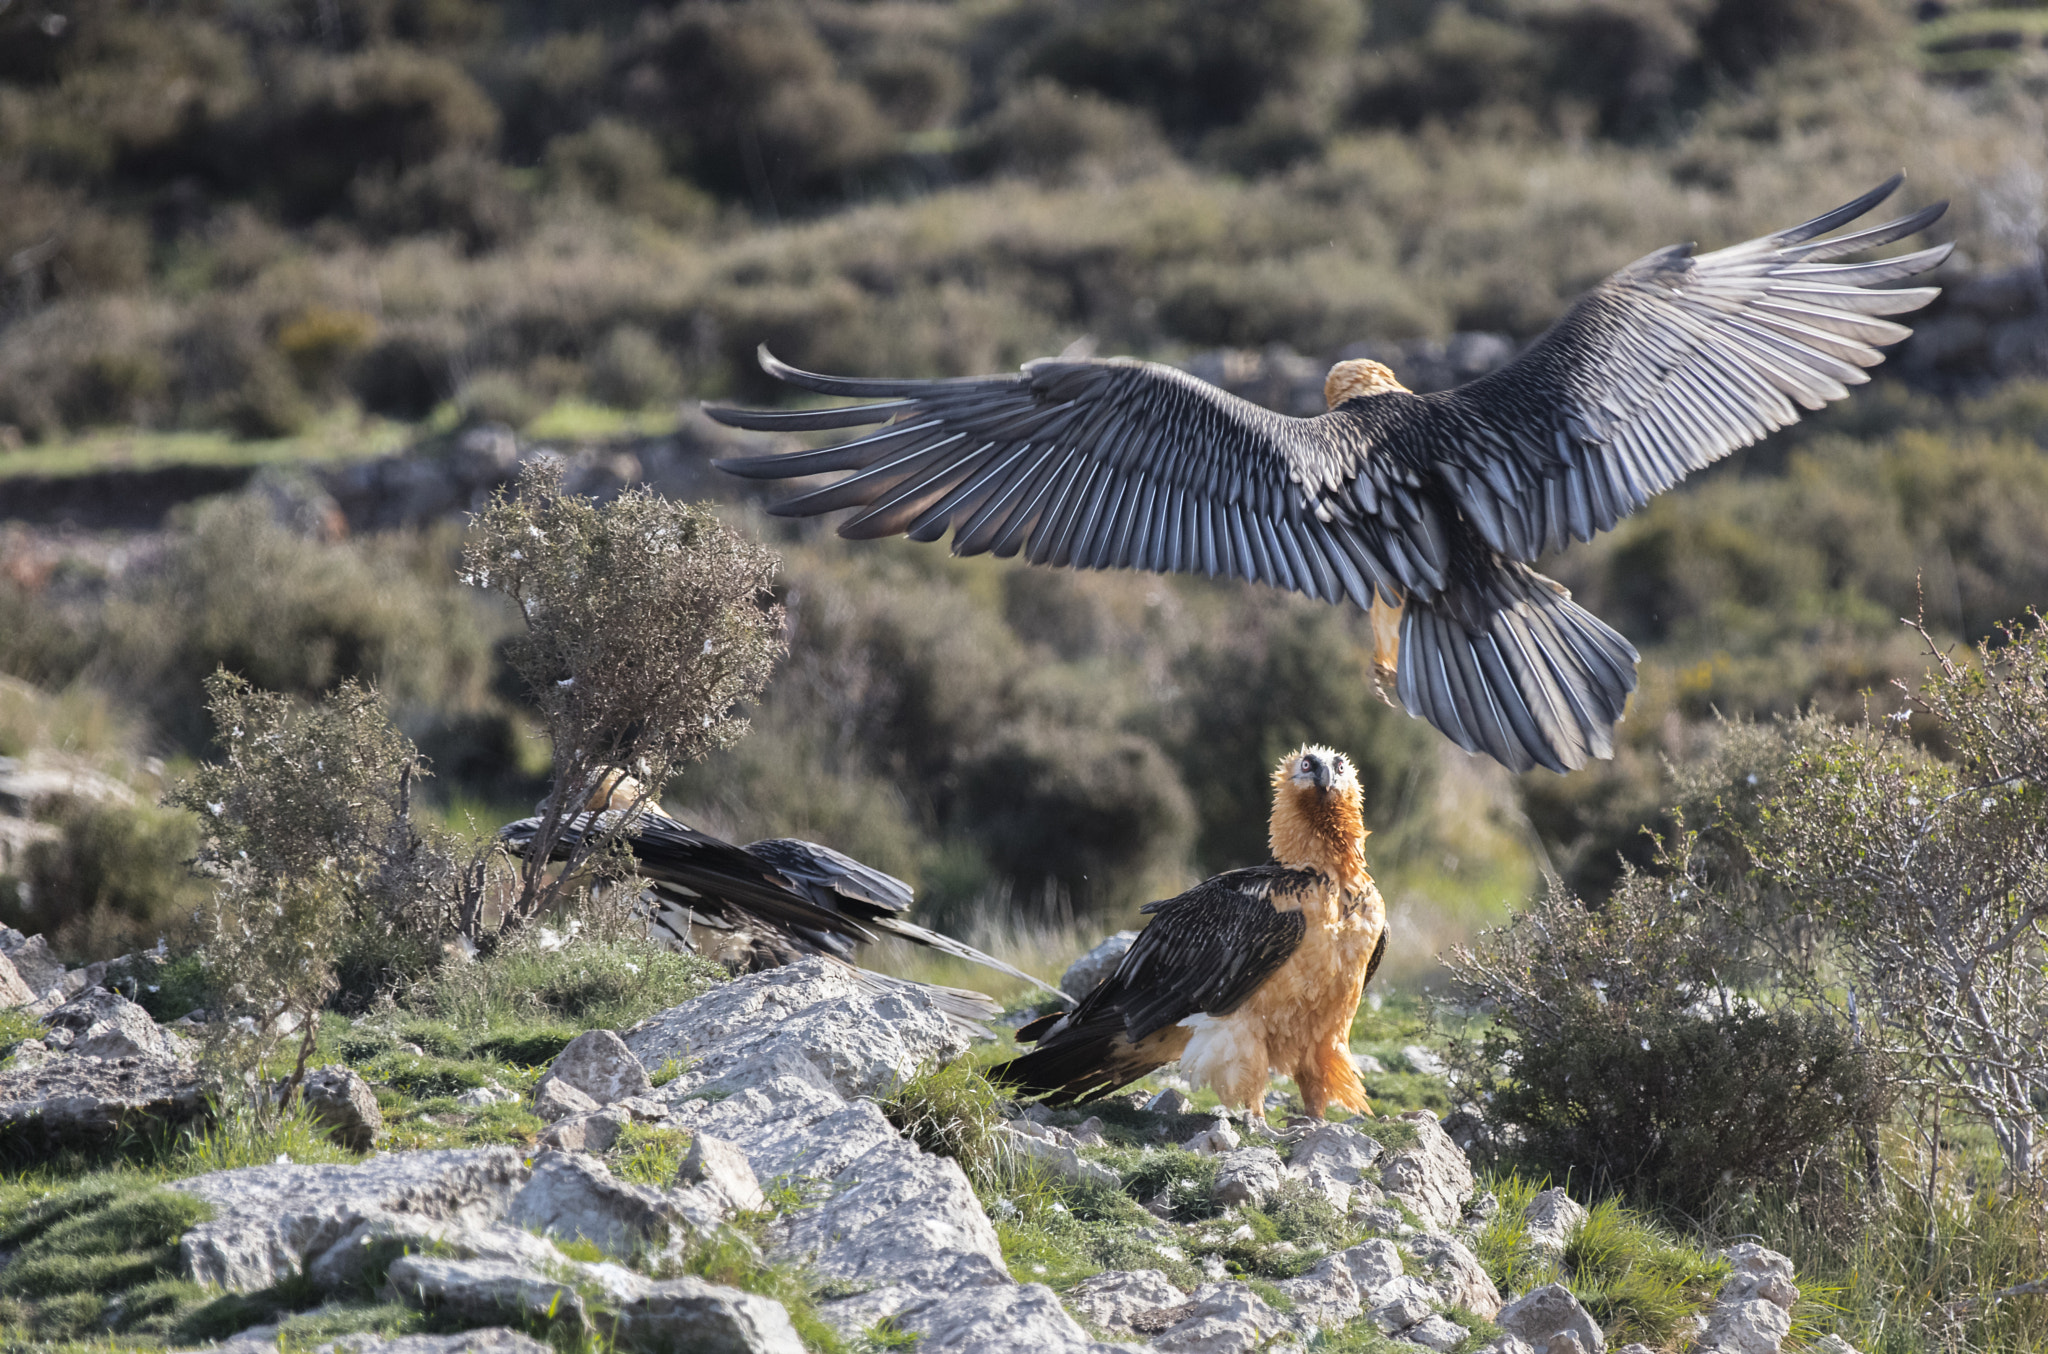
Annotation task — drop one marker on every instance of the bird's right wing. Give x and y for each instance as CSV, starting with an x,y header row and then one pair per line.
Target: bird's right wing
x,y
1206,951
1111,464
1666,367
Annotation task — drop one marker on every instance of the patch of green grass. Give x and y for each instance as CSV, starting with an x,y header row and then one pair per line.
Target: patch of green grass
x,y
440,1122
1639,1281
587,984
1186,1178
237,1136
670,1069
342,435
730,1258
307,1330
647,1155
950,1110
575,420
17,1027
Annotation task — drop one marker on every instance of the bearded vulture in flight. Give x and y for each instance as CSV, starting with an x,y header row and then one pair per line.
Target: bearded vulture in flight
x,y
1251,972
1427,509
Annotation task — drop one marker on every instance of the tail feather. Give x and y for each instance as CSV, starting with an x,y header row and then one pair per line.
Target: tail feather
x,y
1509,665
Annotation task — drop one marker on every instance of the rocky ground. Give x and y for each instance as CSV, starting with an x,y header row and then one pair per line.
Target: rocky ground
x,y
724,1177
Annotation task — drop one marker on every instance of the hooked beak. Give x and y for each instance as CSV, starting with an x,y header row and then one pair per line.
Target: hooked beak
x,y
1323,776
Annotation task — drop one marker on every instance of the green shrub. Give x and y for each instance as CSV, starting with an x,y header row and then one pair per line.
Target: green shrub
x,y
631,371
1618,1055
113,881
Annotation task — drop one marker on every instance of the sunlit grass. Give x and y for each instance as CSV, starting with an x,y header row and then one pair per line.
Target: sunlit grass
x,y
340,435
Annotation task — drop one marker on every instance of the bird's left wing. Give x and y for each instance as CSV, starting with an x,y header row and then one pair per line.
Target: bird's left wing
x,y
1663,369
1112,463
1206,951
875,899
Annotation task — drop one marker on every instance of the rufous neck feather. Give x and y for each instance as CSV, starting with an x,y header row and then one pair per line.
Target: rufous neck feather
x,y
1315,831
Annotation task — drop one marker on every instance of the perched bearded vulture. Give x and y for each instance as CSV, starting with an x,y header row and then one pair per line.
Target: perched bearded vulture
x,y
1254,971
1428,509
762,905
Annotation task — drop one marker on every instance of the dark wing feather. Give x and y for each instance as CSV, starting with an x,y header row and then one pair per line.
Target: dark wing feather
x,y
1111,464
1205,952
1666,367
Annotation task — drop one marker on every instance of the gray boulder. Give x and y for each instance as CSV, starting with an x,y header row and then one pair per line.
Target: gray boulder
x,y
13,991
41,971
1001,1318
1547,1316
1110,1300
598,1063
721,1172
1455,1273
1552,1216
345,1266
554,1101
1752,1314
1372,1265
103,1024
1246,1177
817,1021
1339,1150
1059,1158
489,1340
1430,1176
89,1100
1091,968
704,1318
1436,1332
570,1195
1401,1303
1223,1318
344,1103
1327,1294
592,1131
273,1221
486,1291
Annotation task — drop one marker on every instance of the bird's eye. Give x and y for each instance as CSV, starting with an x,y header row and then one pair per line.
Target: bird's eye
x,y
1307,765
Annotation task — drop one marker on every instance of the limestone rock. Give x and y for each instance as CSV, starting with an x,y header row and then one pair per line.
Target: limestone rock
x,y
1222,1318
1332,1190
1337,1149
598,1063
1247,1176
476,1097
1215,1140
592,1131
815,1020
721,1169
1401,1303
571,1195
1063,1161
273,1221
1455,1273
1506,1344
1542,1315
554,1101
1327,1294
1372,1265
102,1024
1003,1318
344,1103
42,971
73,1100
1753,1312
1552,1216
704,1318
1436,1332
1109,1300
1637,1347
789,1127
897,1217
1169,1101
14,991
486,1291
489,1340
1431,1176
1423,1061
1091,968
343,1266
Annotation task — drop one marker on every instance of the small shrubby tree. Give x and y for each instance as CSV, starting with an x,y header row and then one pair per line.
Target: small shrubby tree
x,y
1620,1052
1928,879
647,622
307,831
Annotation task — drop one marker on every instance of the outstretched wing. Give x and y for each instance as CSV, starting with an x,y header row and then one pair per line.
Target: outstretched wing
x,y
1112,463
1205,952
837,881
1666,367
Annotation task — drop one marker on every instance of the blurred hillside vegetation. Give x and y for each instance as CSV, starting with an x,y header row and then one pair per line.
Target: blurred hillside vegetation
x,y
311,221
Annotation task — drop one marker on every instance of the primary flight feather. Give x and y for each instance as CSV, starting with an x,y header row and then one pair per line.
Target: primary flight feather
x,y
1427,509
